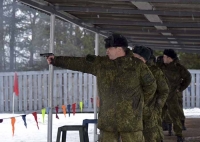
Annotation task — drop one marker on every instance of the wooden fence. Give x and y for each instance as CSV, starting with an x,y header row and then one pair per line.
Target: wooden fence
x,y
191,95
69,87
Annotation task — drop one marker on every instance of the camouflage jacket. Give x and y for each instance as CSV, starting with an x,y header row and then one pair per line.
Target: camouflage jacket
x,y
178,77
121,85
162,91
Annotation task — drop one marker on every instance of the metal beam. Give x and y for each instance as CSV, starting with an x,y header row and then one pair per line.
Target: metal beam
x,y
169,47
125,11
165,44
166,47
145,30
167,39
130,35
165,1
160,48
140,23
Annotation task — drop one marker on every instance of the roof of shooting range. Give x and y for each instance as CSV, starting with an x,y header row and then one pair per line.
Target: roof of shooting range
x,y
158,24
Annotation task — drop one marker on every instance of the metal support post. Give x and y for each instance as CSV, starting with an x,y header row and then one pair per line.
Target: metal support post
x,y
51,75
95,86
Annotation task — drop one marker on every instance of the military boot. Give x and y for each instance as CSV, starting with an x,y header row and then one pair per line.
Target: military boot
x,y
183,124
170,129
180,139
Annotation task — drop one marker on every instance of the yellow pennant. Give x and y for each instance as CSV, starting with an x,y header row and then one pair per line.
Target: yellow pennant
x,y
81,106
43,113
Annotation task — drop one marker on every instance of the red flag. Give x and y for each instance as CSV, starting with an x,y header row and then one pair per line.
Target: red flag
x,y
16,88
57,112
74,108
35,116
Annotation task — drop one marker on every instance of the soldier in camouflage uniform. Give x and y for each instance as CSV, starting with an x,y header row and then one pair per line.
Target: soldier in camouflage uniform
x,y
179,79
180,100
122,83
166,115
153,109
166,120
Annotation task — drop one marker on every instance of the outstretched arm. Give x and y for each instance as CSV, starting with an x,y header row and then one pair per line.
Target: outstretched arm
x,y
82,64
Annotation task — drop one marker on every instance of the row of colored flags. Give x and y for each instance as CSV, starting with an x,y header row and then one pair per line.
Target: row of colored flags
x,y
13,120
65,109
44,111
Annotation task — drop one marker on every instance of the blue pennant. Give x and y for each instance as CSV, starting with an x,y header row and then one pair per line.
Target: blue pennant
x,y
24,119
68,109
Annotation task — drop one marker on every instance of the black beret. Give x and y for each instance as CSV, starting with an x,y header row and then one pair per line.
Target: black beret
x,y
170,53
116,40
142,51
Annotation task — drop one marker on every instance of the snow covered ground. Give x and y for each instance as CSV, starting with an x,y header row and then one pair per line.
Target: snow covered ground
x,y
32,134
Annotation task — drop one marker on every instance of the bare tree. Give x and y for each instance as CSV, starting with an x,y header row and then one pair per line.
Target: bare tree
x,y
12,37
1,37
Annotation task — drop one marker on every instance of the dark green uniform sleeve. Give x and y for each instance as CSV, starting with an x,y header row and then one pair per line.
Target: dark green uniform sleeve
x,y
148,83
162,88
186,79
82,64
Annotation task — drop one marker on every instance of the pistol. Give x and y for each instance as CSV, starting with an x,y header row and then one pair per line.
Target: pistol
x,y
46,54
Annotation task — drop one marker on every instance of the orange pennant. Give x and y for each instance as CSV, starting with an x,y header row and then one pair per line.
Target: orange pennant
x,y
64,110
13,124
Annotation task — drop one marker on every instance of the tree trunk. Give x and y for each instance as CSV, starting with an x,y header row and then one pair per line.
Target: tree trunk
x,y
1,36
12,38
31,62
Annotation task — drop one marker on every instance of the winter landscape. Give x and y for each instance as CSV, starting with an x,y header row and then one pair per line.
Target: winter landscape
x,y
32,134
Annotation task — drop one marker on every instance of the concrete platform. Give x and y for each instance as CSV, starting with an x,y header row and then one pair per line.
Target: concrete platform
x,y
192,134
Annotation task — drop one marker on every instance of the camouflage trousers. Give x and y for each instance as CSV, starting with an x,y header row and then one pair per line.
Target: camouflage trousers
x,y
160,135
121,136
174,109
180,101
165,115
152,126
